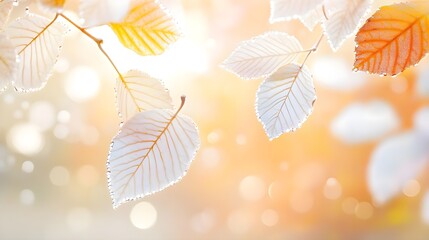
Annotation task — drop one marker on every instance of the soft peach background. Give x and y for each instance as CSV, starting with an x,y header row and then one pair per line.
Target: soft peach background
x,y
288,175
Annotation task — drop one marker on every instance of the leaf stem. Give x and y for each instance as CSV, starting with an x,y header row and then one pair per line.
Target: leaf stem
x,y
316,46
38,35
98,41
183,100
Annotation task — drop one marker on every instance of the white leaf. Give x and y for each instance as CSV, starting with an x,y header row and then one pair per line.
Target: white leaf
x,y
38,42
8,64
365,122
283,10
285,100
311,19
100,12
346,21
5,9
425,208
153,150
263,55
394,162
138,92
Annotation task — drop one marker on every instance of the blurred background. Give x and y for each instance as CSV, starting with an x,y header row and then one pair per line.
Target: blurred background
x,y
310,184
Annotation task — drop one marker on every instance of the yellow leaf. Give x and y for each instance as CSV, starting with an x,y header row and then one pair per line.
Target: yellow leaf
x,y
393,39
147,29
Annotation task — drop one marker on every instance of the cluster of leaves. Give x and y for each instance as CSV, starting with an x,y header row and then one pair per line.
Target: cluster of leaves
x,y
155,145
394,38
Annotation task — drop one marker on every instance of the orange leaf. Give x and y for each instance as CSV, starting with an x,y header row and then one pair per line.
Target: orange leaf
x,y
393,39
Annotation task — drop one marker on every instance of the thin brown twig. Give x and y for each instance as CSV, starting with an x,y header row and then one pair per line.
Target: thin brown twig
x,y
99,43
316,46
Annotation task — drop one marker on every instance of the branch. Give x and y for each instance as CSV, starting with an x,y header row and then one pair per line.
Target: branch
x,y
99,43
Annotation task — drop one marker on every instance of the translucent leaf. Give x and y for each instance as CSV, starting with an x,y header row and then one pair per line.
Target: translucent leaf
x,y
5,9
311,19
153,150
38,42
8,64
147,29
100,12
138,92
345,21
263,55
285,100
283,10
365,122
394,162
393,39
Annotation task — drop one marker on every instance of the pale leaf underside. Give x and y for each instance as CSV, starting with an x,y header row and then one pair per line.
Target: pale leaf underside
x,y
153,150
282,10
311,19
38,42
345,21
285,100
99,12
393,39
147,29
138,92
8,64
263,55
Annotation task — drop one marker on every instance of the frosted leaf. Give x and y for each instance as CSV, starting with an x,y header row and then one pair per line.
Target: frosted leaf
x,y
138,92
8,64
38,42
311,19
345,21
263,55
283,10
153,150
285,100
147,29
